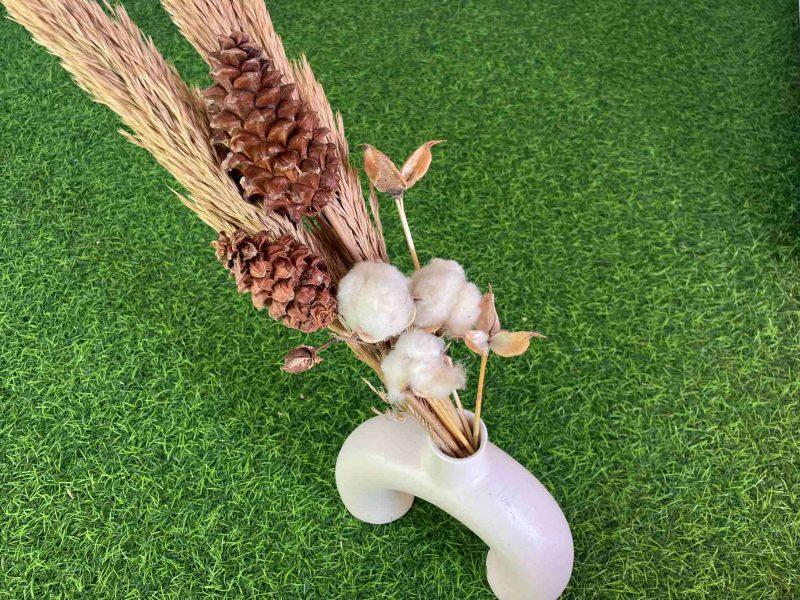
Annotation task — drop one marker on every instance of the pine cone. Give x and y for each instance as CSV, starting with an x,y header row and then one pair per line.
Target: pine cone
x,y
283,275
268,137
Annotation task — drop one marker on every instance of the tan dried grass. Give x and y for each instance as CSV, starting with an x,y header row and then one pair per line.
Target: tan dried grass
x,y
113,62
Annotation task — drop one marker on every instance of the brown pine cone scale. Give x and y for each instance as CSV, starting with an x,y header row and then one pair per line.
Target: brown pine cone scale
x,y
269,139
282,275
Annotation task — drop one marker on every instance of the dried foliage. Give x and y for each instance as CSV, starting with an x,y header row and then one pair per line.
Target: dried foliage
x,y
418,163
112,61
386,177
289,268
345,222
301,359
382,172
282,275
271,140
203,21
488,335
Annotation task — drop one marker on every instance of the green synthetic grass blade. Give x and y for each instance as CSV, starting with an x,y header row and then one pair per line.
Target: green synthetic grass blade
x,y
623,173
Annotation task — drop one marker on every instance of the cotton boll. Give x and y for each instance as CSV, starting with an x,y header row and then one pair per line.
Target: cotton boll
x,y
443,296
465,311
435,288
375,300
418,360
418,344
396,397
436,379
413,348
395,374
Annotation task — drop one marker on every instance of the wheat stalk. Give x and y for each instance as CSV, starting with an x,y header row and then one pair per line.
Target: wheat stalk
x,y
112,61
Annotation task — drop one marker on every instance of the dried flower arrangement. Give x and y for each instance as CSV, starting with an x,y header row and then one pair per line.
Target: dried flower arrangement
x,y
266,165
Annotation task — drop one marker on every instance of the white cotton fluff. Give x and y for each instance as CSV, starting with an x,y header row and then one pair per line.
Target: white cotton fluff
x,y
418,361
414,347
437,381
435,288
444,297
418,344
395,375
375,300
465,311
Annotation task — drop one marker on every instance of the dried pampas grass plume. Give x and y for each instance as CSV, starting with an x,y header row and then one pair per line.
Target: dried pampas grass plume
x,y
111,60
119,67
203,21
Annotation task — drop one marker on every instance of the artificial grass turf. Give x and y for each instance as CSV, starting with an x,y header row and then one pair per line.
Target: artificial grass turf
x,y
623,173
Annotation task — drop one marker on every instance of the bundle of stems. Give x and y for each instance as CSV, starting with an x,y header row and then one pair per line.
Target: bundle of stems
x,y
119,67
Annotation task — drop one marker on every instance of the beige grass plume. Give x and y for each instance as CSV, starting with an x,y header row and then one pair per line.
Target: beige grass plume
x,y
119,67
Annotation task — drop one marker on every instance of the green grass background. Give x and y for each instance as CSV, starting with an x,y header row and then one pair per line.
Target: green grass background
x,y
624,173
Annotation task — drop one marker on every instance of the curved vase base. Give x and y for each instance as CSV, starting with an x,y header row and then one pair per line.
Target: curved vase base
x,y
379,507
384,464
503,580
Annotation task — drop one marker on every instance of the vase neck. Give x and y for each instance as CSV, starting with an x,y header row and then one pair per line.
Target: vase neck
x,y
442,466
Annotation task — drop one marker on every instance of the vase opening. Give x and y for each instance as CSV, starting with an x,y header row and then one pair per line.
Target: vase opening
x,y
484,442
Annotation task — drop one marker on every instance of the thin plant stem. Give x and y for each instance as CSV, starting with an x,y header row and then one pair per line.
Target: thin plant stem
x,y
401,209
436,438
476,424
443,420
461,413
455,419
450,424
362,351
451,412
330,342
422,409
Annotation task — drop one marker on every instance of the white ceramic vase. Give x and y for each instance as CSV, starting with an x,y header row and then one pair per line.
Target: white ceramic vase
x,y
384,463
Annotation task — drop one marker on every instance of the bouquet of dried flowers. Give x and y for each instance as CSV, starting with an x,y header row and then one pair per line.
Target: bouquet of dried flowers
x,y
266,165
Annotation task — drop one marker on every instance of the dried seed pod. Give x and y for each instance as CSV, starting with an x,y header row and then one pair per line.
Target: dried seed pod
x,y
382,172
301,359
418,163
386,177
